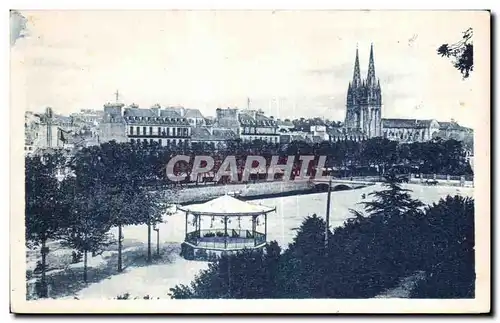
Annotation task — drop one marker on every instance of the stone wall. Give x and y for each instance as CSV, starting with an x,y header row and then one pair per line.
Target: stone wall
x,y
263,189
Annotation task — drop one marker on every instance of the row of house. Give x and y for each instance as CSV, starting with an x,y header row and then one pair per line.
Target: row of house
x,y
168,126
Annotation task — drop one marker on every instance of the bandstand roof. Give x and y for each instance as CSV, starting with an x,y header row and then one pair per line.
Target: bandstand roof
x,y
227,205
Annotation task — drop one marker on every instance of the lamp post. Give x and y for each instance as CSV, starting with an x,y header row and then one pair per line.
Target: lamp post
x,y
327,224
157,240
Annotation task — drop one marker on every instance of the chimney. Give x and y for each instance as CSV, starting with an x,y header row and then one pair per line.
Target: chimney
x,y
156,109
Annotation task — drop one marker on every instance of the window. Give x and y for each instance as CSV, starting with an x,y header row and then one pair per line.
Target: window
x,y
150,131
151,141
144,130
159,131
168,133
131,130
145,141
159,141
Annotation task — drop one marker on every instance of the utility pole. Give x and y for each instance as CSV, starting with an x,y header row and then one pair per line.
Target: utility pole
x,y
327,226
117,95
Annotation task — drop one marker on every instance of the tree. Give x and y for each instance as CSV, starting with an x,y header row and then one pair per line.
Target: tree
x,y
45,205
303,269
119,169
381,152
393,201
151,213
87,223
462,51
447,240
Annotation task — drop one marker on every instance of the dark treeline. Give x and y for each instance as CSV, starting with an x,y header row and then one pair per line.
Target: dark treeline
x,y
370,253
432,157
347,158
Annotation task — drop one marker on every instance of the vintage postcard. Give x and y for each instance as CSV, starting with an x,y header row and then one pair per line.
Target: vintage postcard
x,y
253,161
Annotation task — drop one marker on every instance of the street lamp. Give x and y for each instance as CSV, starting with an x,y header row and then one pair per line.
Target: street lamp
x,y
157,240
327,217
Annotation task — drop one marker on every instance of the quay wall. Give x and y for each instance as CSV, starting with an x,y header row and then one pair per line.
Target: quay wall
x,y
247,191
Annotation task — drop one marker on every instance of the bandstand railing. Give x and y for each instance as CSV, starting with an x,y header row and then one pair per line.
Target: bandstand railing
x,y
217,239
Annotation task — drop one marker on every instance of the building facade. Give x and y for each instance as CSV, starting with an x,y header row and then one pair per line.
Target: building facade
x,y
46,130
248,124
112,124
163,126
212,138
409,130
254,125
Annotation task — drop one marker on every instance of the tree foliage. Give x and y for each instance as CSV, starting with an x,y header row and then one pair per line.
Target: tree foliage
x,y
447,240
44,198
394,201
87,223
45,206
462,53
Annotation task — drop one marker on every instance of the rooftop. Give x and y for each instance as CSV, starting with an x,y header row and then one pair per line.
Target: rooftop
x,y
405,123
193,113
226,205
218,134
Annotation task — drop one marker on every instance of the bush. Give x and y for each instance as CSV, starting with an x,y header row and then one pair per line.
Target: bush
x,y
201,254
187,252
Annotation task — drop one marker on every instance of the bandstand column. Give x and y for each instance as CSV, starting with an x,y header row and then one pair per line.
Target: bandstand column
x,y
265,226
225,231
198,225
253,230
186,226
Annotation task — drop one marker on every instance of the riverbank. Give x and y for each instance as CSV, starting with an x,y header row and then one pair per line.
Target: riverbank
x,y
264,190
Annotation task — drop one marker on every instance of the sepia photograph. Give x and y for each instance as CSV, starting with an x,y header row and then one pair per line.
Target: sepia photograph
x,y
250,161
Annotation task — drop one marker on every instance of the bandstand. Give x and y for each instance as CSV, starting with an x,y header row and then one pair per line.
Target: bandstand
x,y
224,224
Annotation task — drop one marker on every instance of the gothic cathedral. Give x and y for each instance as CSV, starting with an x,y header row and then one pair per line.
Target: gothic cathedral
x,y
364,101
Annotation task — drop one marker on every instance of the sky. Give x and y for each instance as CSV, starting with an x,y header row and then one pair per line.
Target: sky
x,y
288,63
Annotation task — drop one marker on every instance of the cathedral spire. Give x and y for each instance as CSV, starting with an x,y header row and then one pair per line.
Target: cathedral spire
x,y
371,79
356,79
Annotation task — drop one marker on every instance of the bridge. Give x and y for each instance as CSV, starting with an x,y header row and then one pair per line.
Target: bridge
x,y
339,184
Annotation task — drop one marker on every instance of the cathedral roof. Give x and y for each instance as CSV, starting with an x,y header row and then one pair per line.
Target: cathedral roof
x,y
406,123
343,132
452,126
